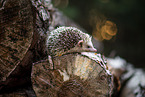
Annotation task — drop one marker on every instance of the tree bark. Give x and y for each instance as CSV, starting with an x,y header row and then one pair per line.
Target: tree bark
x,y
24,26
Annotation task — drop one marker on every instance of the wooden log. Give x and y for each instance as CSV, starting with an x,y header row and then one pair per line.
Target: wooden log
x,y
74,75
24,25
16,34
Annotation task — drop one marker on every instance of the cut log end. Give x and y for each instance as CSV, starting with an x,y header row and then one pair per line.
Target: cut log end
x,y
75,75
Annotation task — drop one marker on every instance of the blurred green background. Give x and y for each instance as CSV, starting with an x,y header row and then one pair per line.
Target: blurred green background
x,y
128,15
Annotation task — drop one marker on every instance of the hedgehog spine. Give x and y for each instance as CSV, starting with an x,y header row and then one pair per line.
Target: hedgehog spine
x,y
68,39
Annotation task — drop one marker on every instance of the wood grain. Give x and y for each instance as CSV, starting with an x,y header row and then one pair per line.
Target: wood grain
x,y
75,75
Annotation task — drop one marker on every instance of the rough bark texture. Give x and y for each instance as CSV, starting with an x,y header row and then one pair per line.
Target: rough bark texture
x,y
24,25
16,34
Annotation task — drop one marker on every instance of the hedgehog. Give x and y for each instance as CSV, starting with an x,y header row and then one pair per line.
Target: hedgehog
x,y
65,40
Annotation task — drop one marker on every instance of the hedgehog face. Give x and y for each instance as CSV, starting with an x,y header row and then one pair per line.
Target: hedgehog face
x,y
86,46
83,47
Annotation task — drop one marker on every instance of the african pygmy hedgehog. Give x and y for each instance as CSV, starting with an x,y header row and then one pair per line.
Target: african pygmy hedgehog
x,y
67,40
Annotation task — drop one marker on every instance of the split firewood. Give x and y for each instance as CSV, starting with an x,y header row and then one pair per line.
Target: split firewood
x,y
74,75
16,35
23,27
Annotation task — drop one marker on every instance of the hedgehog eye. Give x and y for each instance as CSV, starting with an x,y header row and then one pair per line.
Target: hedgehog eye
x,y
88,46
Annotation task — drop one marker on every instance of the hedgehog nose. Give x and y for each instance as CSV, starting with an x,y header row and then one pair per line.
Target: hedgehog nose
x,y
94,50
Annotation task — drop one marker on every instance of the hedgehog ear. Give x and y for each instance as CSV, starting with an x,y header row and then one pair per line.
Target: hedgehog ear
x,y
80,43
